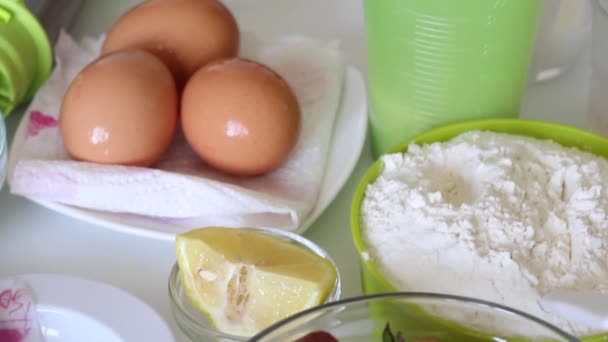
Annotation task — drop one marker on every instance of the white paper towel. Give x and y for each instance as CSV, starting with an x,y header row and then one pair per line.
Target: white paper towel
x,y
181,188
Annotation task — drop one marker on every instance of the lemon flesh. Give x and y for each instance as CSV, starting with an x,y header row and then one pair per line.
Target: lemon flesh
x,y
245,280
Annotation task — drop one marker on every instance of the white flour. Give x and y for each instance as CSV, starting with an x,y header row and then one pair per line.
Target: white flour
x,y
492,216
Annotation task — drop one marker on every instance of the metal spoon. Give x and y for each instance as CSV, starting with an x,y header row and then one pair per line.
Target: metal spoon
x,y
587,308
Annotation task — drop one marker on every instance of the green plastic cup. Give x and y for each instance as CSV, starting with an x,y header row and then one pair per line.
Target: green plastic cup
x,y
26,57
434,62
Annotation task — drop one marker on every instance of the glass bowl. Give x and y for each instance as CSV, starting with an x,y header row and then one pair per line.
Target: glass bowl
x,y
3,152
418,317
196,326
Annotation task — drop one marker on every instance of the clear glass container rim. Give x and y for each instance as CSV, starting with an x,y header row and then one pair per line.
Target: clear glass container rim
x,y
3,137
3,152
415,295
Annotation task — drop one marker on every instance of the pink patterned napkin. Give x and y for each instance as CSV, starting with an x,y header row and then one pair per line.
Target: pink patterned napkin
x,y
181,188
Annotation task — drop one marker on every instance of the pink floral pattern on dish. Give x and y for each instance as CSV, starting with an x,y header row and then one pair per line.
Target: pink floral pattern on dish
x,y
10,335
39,121
15,315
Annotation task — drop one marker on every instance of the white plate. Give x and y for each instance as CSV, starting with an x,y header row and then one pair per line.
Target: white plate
x,y
72,309
348,140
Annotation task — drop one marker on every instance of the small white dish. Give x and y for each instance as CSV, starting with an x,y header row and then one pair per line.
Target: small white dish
x,y
72,309
350,132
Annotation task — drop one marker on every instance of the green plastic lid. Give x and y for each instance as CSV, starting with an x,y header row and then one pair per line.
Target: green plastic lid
x,y
26,57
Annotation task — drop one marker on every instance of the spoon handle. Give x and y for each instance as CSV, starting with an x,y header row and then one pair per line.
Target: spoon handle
x,y
587,308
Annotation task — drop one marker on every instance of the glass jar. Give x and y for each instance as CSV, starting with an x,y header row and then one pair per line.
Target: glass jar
x,y
196,326
598,101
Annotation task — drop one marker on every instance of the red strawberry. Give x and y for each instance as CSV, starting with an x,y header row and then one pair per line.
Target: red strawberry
x,y
318,336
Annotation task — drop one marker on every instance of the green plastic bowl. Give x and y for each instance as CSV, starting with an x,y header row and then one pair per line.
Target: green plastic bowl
x,y
372,280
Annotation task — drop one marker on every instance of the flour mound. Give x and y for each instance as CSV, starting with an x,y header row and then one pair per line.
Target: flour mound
x,y
493,216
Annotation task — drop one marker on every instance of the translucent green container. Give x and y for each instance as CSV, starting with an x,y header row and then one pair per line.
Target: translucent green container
x,y
434,62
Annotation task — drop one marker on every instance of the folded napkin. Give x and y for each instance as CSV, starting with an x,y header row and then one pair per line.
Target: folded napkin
x,y
181,188
18,316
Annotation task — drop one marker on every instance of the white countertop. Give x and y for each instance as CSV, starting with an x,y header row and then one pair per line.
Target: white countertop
x,y
34,239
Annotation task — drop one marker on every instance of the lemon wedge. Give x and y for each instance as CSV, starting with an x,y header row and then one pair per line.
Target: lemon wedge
x,y
244,280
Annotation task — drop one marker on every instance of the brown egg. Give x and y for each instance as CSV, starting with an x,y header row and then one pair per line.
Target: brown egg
x,y
240,116
121,109
185,34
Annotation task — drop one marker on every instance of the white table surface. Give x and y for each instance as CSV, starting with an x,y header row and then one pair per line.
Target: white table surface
x,y
34,239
